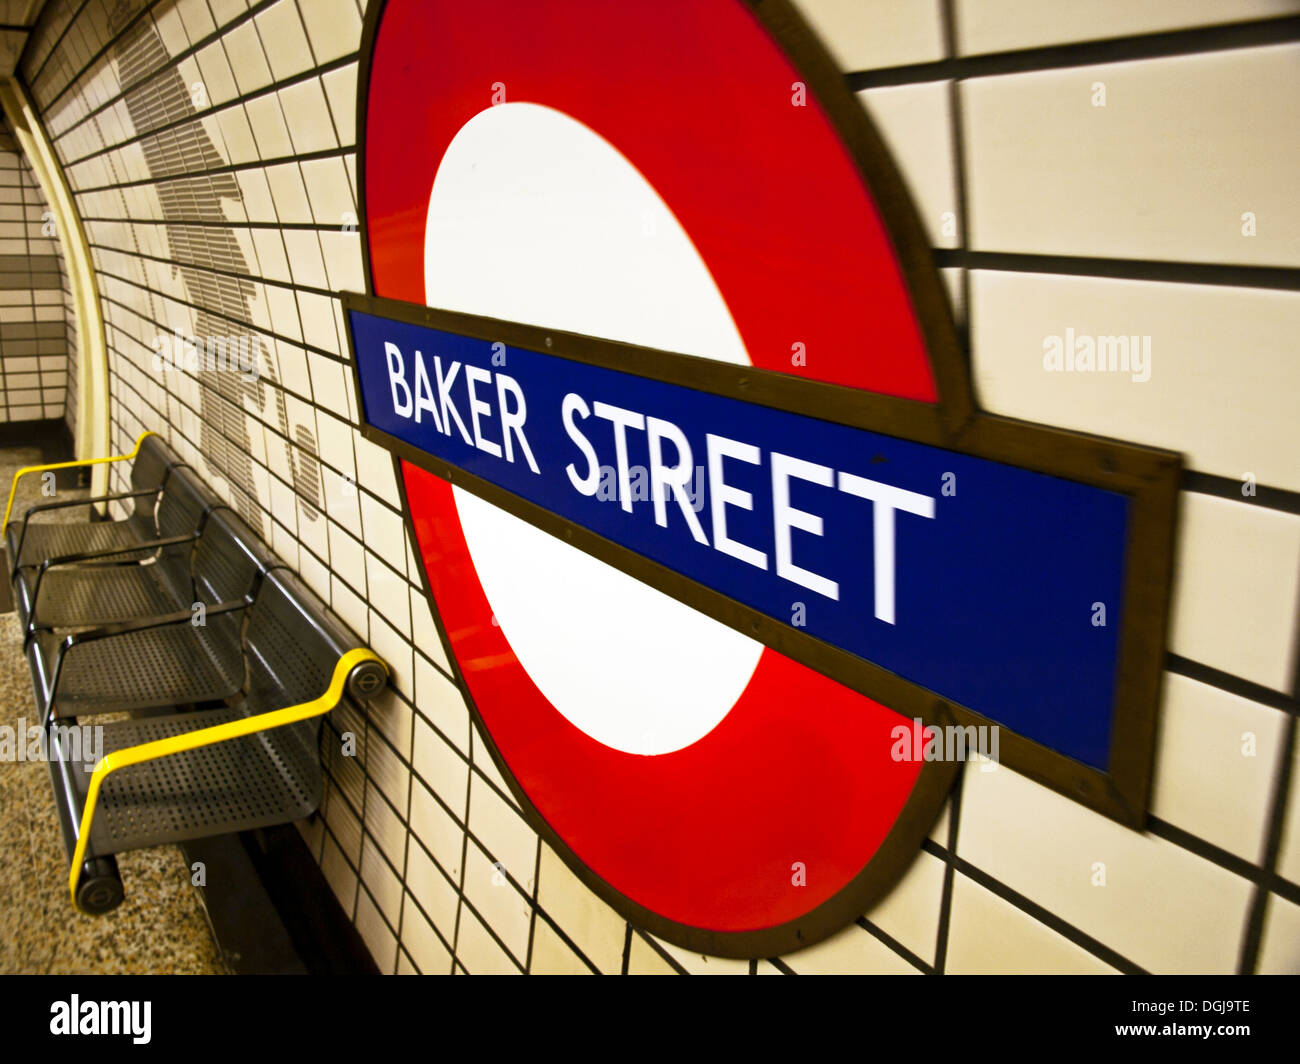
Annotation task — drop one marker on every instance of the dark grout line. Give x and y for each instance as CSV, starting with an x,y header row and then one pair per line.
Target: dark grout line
x,y
1163,45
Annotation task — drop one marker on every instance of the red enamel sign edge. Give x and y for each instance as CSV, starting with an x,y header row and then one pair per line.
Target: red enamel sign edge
x,y
855,211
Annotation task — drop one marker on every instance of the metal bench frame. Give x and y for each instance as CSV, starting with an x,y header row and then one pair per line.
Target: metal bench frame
x,y
265,644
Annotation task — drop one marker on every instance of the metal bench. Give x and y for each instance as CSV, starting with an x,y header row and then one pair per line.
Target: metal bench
x,y
189,655
31,541
252,763
223,703
119,583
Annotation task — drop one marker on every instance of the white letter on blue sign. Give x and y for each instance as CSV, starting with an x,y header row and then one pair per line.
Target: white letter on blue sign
x,y
473,376
396,380
513,421
575,404
722,494
449,411
885,500
675,477
424,394
786,517
622,421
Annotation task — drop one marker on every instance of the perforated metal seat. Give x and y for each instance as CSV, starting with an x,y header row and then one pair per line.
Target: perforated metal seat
x,y
189,775
253,781
31,539
121,586
181,663
160,660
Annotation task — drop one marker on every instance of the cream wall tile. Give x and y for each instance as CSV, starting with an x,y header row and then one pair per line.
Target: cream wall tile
x,y
643,960
502,829
271,256
376,934
436,895
284,39
910,912
393,717
477,952
341,90
342,253
441,835
316,312
990,936
440,700
226,11
330,193
339,814
171,31
375,468
596,929
861,34
338,874
384,531
424,633
419,939
393,647
387,586
307,264
381,882
347,557
1183,148
197,19
247,59
1215,765
1004,25
551,956
308,116
1220,379
915,122
698,964
218,82
288,193
852,951
1279,952
1235,588
484,763
441,767
384,819
499,904
334,28
1052,851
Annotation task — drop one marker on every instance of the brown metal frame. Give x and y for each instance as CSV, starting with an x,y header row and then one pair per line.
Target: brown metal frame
x,y
1149,477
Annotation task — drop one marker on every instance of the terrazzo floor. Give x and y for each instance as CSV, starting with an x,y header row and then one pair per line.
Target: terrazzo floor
x,y
160,927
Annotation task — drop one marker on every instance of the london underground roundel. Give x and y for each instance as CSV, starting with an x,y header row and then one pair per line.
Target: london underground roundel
x,y
718,543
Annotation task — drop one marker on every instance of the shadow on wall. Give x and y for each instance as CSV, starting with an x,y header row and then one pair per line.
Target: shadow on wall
x,y
222,299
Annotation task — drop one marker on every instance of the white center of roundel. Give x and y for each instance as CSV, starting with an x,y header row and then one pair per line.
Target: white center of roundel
x,y
535,218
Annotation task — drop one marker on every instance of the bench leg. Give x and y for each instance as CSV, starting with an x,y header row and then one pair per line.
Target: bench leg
x,y
99,890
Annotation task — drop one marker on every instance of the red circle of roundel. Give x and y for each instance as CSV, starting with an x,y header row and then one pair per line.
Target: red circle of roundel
x,y
699,99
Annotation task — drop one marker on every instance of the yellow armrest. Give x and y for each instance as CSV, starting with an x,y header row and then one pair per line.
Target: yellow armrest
x,y
219,733
13,488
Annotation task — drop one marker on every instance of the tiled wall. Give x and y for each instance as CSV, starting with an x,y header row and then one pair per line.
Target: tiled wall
x,y
1073,175
37,337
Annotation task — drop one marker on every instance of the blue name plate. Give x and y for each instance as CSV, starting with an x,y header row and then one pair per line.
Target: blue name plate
x,y
977,580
